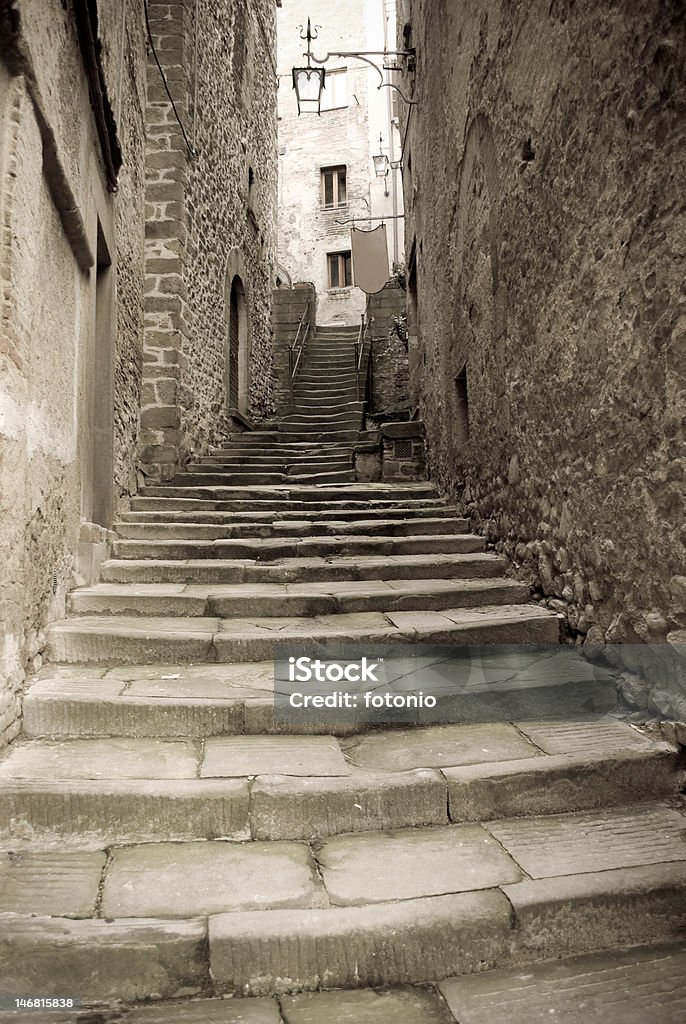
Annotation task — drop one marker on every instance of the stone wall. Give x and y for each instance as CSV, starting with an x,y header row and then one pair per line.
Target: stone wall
x,y
290,306
70,315
210,220
390,397
544,177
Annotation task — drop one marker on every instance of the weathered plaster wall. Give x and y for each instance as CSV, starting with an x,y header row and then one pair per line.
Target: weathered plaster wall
x,y
545,171
348,135
210,216
52,196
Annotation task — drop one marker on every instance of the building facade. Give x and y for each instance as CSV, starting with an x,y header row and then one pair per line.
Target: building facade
x,y
135,272
326,168
545,241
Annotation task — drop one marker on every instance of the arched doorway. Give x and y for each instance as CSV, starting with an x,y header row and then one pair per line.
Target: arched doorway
x,y
237,383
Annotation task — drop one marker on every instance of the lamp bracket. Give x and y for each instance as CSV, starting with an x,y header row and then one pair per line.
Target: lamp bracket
x,y
364,55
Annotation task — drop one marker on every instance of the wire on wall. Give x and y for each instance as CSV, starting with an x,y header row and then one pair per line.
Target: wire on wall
x,y
191,149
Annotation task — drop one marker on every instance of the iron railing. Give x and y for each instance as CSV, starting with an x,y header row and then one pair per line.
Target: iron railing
x,y
362,347
295,350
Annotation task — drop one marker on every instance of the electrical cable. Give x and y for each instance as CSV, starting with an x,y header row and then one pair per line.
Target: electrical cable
x,y
191,149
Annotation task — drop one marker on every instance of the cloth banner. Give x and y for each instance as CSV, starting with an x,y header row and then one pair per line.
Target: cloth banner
x,y
370,258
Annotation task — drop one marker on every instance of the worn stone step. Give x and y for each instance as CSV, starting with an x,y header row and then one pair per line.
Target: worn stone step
x,y
270,548
620,986
136,788
304,432
344,515
405,777
247,460
290,599
389,526
318,916
242,478
346,493
277,506
115,639
301,570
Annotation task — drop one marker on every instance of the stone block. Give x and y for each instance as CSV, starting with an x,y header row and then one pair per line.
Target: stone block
x,y
384,944
99,960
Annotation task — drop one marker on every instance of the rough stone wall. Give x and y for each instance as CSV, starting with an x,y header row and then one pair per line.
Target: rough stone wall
x,y
210,215
390,398
52,195
545,171
290,306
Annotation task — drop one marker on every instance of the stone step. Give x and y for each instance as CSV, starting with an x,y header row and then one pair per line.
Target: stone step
x,y
317,432
617,987
268,599
620,986
114,639
304,786
271,548
285,450
322,419
386,526
273,467
289,502
242,478
302,570
261,919
449,512
257,458
358,492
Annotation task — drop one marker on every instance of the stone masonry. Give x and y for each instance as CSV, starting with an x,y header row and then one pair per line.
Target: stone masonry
x,y
210,220
546,222
71,287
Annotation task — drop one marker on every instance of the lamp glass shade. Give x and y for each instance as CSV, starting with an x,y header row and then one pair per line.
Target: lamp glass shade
x,y
308,84
380,165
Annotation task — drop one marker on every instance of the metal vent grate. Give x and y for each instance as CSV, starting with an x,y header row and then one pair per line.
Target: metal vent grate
x,y
402,449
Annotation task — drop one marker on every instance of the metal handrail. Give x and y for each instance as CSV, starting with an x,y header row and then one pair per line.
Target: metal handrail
x,y
299,344
360,346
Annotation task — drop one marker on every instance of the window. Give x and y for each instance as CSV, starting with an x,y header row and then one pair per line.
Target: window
x,y
334,187
340,269
335,93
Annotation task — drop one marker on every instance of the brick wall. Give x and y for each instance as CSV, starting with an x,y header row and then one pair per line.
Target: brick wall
x,y
210,217
544,172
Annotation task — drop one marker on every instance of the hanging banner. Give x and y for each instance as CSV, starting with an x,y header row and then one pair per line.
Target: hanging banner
x,y
370,258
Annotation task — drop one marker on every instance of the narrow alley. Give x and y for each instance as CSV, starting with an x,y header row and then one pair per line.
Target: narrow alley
x,y
222,464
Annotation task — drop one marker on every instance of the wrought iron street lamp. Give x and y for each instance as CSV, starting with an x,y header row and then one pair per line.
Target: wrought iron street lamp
x,y
381,165
309,82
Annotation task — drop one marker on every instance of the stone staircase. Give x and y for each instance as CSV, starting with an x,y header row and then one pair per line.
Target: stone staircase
x,y
167,837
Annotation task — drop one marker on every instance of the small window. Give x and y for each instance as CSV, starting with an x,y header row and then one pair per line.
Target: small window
x,y
335,92
340,269
334,187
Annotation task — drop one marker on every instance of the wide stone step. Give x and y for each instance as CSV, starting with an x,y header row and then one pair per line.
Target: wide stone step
x,y
345,515
381,908
241,477
270,460
277,506
291,599
479,564
617,987
381,525
303,433
112,639
270,548
356,492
